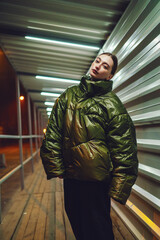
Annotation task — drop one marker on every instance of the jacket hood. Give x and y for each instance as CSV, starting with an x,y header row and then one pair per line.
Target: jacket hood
x,y
95,87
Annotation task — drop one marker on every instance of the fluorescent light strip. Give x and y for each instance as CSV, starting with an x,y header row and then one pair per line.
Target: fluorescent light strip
x,y
57,90
50,94
61,43
49,109
56,79
49,103
64,32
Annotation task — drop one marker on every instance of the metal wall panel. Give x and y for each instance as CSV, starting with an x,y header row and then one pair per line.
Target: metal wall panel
x,y
135,41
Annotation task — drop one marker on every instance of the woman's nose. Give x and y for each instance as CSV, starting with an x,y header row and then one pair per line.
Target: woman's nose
x,y
97,66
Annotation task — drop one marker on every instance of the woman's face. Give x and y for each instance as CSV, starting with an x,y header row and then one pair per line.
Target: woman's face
x,y
101,68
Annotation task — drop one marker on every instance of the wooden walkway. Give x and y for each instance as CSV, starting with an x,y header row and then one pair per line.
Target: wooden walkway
x,y
37,212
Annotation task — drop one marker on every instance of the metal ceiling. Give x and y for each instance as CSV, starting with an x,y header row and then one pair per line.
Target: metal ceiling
x,y
80,22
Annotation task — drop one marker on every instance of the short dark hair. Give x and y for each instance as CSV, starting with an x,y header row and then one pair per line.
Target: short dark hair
x,y
115,61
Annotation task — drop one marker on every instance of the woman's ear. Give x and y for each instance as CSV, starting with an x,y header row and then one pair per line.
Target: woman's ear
x,y
109,77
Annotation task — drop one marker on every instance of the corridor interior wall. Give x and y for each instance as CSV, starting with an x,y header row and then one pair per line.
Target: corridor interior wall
x,y
8,105
135,41
8,99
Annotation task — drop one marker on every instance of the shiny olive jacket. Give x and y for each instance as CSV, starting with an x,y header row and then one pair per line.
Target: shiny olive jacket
x,y
91,137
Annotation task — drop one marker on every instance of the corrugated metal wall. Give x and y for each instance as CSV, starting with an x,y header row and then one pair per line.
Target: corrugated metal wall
x,y
135,42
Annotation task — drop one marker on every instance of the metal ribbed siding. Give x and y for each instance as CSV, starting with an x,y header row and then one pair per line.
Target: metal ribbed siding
x,y
135,42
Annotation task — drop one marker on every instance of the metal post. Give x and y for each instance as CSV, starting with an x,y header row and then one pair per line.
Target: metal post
x,y
38,129
30,131
35,126
20,131
0,204
41,123
41,126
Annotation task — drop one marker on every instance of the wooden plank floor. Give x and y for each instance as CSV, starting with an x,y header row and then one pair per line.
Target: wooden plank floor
x,y
37,212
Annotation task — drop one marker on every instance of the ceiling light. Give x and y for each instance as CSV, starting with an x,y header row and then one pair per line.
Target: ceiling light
x,y
48,114
50,94
49,109
44,130
57,90
21,98
61,43
49,103
57,79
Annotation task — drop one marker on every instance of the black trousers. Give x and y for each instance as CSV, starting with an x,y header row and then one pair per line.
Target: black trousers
x,y
87,205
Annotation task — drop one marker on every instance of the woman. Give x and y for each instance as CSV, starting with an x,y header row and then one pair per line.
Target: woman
x,y
90,142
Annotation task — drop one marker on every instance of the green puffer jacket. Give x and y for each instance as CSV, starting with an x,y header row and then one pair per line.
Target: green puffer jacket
x,y
91,137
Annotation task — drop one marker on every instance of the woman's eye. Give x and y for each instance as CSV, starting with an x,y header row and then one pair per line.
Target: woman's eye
x,y
97,61
105,67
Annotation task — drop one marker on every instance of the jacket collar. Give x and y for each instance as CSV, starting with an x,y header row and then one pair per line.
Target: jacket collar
x,y
92,87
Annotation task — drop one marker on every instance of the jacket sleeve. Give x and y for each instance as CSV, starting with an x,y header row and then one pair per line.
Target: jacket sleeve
x,y
123,152
51,149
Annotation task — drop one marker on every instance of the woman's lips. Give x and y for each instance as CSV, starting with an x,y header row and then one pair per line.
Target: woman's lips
x,y
94,71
